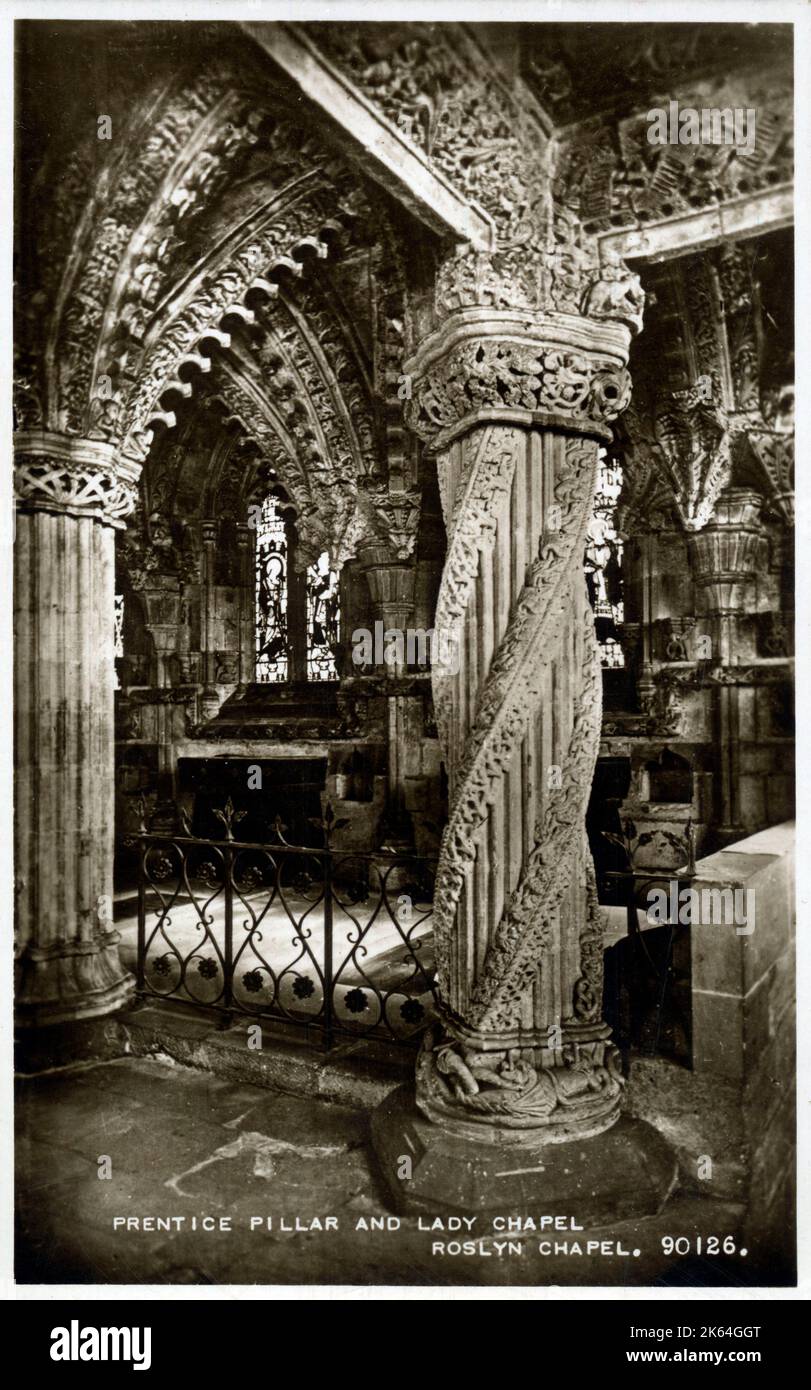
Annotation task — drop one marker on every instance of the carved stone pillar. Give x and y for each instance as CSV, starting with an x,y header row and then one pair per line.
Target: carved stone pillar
x,y
245,611
514,407
391,584
725,557
209,698
71,495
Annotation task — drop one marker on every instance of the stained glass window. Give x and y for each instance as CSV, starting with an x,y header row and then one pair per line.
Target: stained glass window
x,y
118,631
272,656
322,620
603,562
297,615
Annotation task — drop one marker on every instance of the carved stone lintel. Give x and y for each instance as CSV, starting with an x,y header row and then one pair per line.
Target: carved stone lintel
x,y
611,175
695,678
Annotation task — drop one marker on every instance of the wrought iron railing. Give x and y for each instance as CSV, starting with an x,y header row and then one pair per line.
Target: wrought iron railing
x,y
336,940
340,941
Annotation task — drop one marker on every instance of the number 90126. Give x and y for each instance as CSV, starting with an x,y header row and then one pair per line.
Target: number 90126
x,y
700,1245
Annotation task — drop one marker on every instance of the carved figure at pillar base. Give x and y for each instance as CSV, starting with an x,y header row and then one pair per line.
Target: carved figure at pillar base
x,y
554,1095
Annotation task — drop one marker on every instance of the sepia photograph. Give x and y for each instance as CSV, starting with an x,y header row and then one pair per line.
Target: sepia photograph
x,y
404,778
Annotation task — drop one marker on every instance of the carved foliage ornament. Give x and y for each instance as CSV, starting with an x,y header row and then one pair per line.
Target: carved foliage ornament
x,y
439,88
330,512
185,143
517,380
560,274
262,250
694,441
612,177
393,518
774,451
147,183
511,692
446,96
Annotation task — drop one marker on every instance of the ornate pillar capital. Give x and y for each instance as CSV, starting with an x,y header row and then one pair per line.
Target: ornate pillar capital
x,y
514,367
72,476
391,520
725,553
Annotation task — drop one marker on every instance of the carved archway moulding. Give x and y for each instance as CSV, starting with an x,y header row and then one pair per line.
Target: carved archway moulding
x,y
132,318
316,424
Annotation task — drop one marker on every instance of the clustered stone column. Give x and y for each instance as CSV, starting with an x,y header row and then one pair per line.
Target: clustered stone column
x,y
514,407
725,557
391,585
71,496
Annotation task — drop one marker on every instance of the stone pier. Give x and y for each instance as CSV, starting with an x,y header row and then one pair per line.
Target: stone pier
x,y
520,1076
71,495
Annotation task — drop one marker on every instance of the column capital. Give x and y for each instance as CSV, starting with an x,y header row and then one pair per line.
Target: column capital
x,y
392,522
514,367
726,552
74,476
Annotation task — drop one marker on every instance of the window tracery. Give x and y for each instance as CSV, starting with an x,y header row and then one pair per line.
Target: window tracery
x,y
297,616
603,562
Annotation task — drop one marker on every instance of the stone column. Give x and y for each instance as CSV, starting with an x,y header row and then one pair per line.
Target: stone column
x,y
71,496
392,590
725,556
209,697
246,620
514,407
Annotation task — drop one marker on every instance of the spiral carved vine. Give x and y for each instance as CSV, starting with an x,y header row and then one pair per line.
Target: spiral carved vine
x,y
518,931
510,694
559,846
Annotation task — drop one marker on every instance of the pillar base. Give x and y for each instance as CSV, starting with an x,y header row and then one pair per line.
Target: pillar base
x,y
628,1171
71,980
